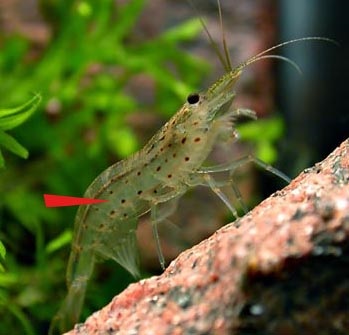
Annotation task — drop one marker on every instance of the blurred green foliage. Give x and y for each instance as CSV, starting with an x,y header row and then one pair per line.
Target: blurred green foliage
x,y
79,129
263,135
11,118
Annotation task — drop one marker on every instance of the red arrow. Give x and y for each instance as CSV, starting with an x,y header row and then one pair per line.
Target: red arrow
x,y
52,200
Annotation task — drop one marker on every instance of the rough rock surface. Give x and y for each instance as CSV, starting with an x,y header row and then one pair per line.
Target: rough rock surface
x,y
284,271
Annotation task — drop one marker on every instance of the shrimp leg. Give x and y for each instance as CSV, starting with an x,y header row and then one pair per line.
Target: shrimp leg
x,y
237,193
232,166
207,180
159,213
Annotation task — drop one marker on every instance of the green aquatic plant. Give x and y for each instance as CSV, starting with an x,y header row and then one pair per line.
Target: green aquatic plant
x,y
11,118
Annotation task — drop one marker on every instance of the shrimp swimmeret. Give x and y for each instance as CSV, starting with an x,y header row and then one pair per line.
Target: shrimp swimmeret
x,y
153,179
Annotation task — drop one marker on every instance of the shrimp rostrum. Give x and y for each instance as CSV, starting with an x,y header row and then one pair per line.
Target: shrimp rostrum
x,y
152,180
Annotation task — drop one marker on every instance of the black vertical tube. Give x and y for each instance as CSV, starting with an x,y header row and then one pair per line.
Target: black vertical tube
x,y
315,104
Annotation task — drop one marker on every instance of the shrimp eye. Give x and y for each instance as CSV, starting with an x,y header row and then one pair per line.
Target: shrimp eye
x,y
193,98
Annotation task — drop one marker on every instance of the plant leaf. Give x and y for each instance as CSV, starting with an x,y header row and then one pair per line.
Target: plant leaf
x,y
127,17
8,142
184,32
272,129
2,250
2,256
59,242
13,117
2,161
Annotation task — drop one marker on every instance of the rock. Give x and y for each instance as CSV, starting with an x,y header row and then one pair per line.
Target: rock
x,y
284,271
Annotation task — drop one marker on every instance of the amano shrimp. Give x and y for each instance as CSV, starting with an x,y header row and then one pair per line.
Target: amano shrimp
x,y
153,179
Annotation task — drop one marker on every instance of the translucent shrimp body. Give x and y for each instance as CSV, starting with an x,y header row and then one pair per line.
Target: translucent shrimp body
x,y
163,170
152,180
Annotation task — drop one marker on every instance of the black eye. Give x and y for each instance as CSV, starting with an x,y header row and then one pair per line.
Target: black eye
x,y
193,98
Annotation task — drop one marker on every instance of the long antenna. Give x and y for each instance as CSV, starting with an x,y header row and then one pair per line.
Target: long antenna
x,y
224,40
225,57
263,54
225,61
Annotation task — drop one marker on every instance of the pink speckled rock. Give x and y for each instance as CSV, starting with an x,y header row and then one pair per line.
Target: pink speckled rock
x,y
285,271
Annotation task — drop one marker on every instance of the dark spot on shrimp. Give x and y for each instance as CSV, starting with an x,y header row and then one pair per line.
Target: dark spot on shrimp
x,y
111,192
102,226
138,173
183,140
153,158
126,181
155,191
123,201
139,192
125,215
166,160
161,149
112,212
186,159
158,168
174,155
169,176
195,123
169,145
96,209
